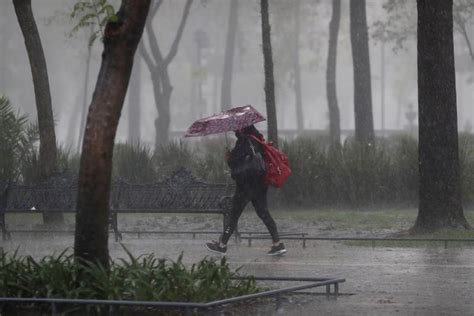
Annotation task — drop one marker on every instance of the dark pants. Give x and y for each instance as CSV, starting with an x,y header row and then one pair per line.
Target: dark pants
x,y
258,196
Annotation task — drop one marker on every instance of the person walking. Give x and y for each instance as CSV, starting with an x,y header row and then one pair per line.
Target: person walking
x,y
250,187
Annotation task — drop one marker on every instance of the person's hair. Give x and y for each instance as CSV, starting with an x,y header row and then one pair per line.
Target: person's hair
x,y
251,130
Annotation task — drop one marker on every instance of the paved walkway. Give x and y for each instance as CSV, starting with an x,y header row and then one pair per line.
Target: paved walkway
x,y
381,281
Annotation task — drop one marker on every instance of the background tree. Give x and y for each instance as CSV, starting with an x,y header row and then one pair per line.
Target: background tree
x,y
364,122
227,73
268,70
134,102
331,93
47,137
158,64
121,37
296,66
400,29
440,202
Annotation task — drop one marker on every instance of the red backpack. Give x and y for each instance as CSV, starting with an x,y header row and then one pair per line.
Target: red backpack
x,y
276,164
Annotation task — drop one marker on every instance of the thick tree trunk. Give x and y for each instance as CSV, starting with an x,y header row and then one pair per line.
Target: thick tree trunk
x,y
364,122
48,149
297,69
134,103
120,42
439,191
334,117
268,69
226,85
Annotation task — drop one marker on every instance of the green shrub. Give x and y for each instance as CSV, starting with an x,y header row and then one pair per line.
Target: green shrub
x,y
16,141
210,163
134,278
323,176
172,156
133,163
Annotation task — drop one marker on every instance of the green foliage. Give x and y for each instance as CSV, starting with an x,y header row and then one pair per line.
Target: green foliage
x,y
93,14
17,140
133,163
172,156
349,175
211,164
134,278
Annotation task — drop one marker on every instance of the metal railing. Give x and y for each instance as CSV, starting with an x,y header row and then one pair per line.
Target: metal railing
x,y
373,240
188,307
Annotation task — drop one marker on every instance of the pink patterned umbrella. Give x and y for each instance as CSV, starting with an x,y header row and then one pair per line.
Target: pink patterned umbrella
x,y
226,121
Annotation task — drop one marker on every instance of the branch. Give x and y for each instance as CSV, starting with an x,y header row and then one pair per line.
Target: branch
x,y
462,29
154,47
174,46
154,10
146,56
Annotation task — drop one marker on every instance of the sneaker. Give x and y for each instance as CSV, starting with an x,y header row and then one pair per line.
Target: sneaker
x,y
277,250
216,248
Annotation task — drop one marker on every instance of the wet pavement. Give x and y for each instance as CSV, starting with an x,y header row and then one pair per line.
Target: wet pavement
x,y
379,281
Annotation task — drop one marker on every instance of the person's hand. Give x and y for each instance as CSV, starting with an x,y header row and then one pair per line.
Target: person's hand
x,y
227,155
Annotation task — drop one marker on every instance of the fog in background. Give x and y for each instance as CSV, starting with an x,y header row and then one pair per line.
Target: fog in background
x,y
66,60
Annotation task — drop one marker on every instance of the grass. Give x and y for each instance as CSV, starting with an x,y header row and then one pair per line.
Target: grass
x,y
351,219
333,222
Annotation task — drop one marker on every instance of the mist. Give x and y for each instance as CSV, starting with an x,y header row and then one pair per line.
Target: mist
x,y
196,81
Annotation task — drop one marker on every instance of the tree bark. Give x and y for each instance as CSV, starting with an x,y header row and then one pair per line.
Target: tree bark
x,y
226,85
268,69
297,69
334,116
364,123
439,191
39,71
120,42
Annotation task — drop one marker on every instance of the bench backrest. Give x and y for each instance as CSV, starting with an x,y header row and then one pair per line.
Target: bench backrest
x,y
181,191
58,193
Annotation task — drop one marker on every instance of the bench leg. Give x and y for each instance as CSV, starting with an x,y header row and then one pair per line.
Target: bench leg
x,y
5,233
114,223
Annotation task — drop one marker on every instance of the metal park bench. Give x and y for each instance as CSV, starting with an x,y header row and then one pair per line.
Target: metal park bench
x,y
180,193
57,194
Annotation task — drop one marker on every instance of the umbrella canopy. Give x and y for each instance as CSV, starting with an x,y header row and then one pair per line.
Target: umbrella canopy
x,y
226,121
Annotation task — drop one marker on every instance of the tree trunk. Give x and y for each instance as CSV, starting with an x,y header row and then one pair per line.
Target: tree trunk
x,y
226,85
134,103
297,69
158,64
162,93
333,107
364,122
48,149
439,191
268,68
120,42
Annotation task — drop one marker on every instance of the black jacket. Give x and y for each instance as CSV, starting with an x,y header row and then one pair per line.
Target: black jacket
x,y
241,151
